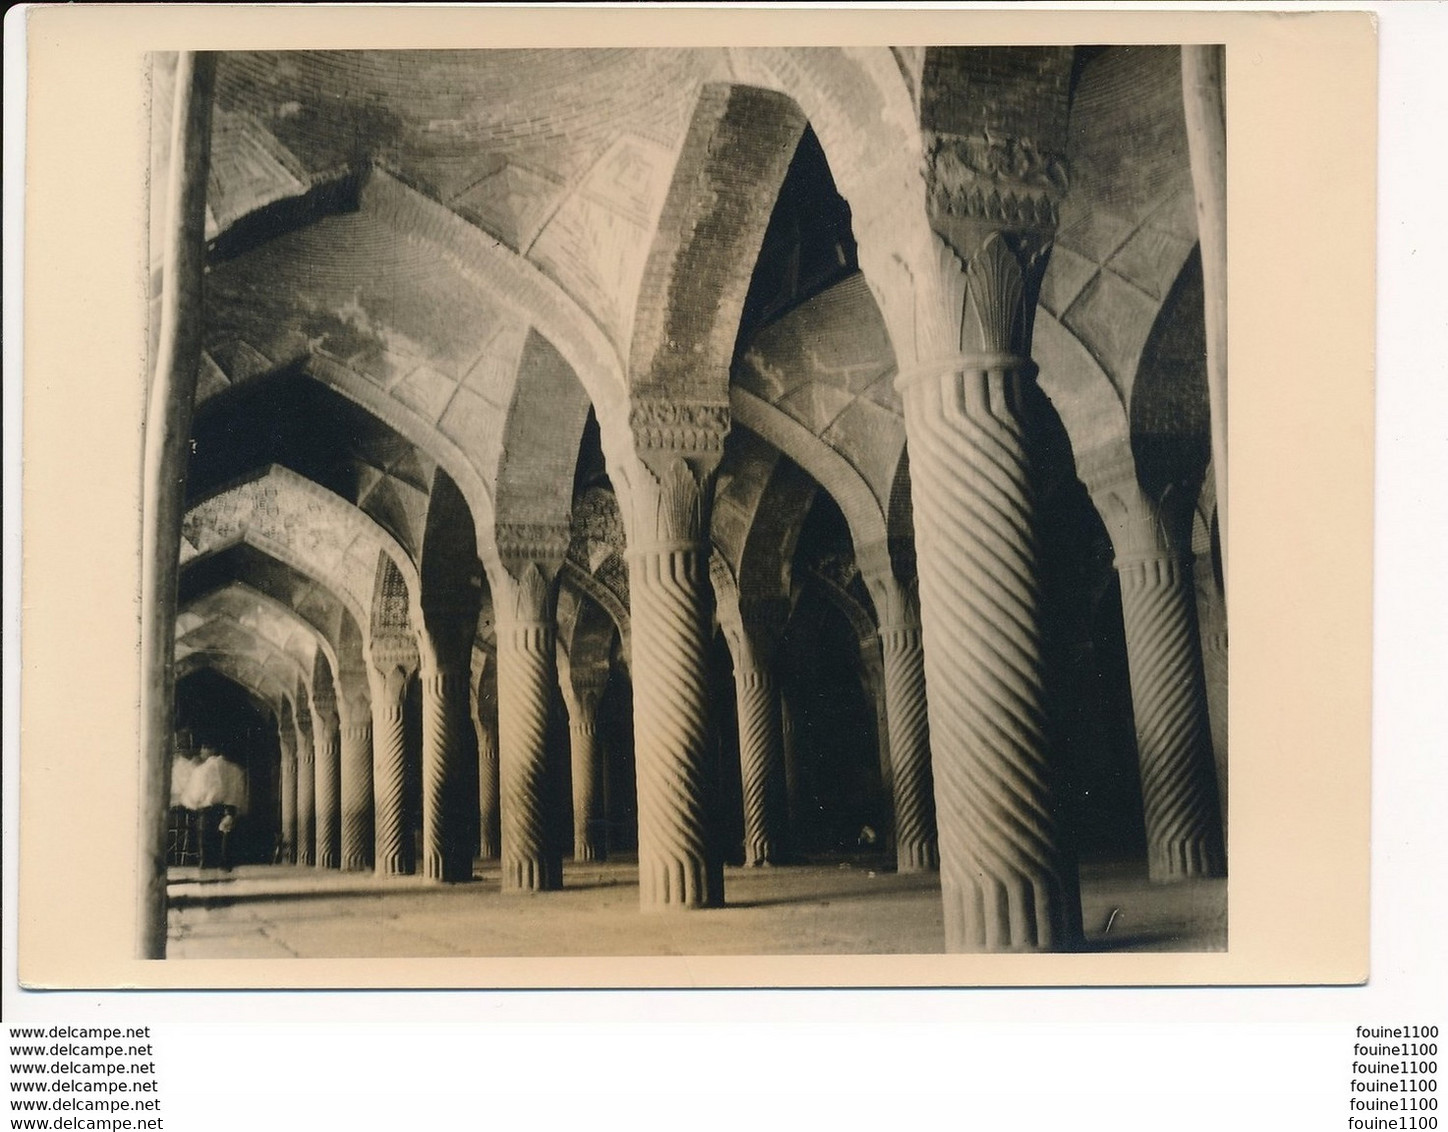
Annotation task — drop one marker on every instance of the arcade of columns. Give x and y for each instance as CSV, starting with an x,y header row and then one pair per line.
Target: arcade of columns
x,y
1019,222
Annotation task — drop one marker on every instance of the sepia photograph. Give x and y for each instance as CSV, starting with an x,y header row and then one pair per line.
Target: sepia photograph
x,y
780,486
701,509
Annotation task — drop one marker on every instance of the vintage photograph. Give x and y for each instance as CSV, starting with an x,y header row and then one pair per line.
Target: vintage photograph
x,y
685,501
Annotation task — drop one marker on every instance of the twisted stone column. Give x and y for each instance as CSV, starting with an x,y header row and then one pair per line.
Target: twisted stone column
x,y
679,866
1168,690
903,659
447,852
289,804
1007,880
393,850
356,786
1183,823
761,763
306,789
327,744
589,842
752,628
525,683
489,835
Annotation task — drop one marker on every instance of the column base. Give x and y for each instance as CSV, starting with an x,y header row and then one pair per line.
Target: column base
x,y
1019,914
667,886
394,865
758,854
587,850
917,857
361,863
437,867
1173,861
531,875
329,861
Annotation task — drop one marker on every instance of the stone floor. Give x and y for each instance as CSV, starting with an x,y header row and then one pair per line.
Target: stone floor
x,y
848,906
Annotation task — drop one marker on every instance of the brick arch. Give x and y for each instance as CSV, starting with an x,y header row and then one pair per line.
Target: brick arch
x,y
1087,401
1169,412
828,365
300,522
857,615
737,150
864,112
541,437
595,590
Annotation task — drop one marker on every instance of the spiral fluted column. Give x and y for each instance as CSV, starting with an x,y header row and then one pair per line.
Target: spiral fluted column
x,y
752,627
289,805
392,841
916,848
327,745
446,849
489,835
306,792
761,766
1163,652
589,841
906,717
356,788
678,866
1168,694
1006,881
525,686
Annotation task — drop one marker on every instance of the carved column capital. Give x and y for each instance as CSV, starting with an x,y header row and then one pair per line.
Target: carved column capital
x,y
1143,530
897,602
665,505
665,429
540,546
